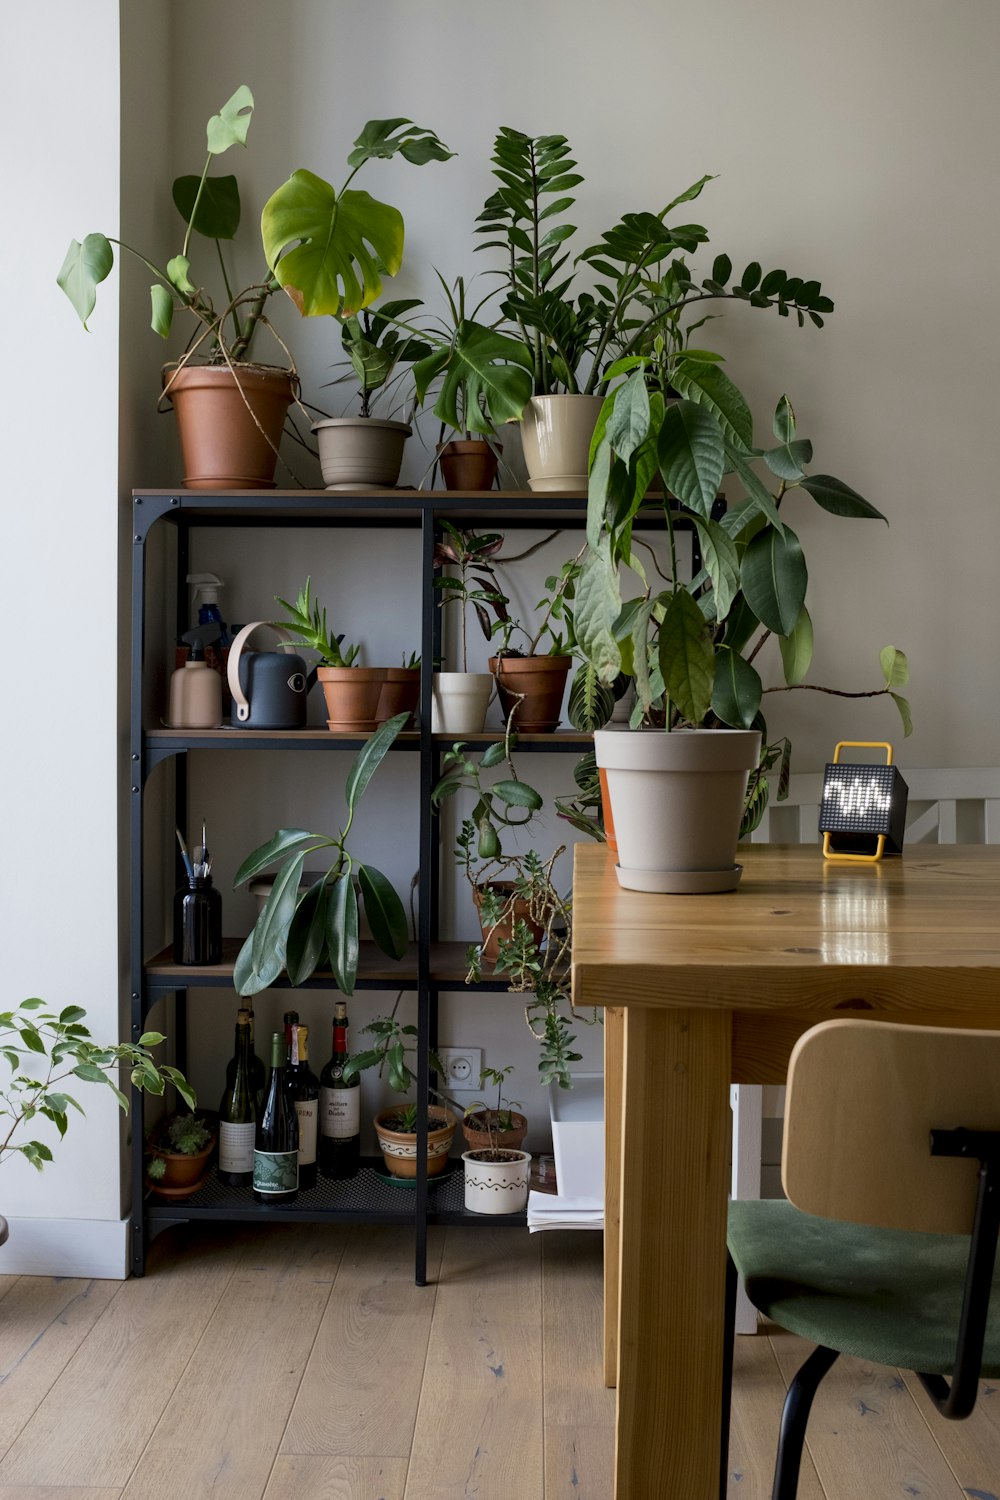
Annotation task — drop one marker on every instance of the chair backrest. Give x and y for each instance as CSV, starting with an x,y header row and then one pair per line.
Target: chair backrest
x,y
863,1097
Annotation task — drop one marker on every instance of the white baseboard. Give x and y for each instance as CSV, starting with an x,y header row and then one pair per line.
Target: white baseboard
x,y
66,1247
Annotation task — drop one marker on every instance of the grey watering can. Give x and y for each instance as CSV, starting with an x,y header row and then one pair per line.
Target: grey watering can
x,y
269,687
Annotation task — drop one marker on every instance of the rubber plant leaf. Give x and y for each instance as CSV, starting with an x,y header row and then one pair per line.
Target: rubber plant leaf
x,y
83,269
369,759
271,930
687,660
329,252
774,578
384,910
797,649
218,214
306,934
280,843
229,127
736,691
342,932
692,455
247,979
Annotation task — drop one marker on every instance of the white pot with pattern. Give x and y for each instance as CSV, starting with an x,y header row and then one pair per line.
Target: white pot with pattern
x,y
496,1182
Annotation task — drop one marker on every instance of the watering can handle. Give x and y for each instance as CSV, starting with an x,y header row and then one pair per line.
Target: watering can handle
x,y
240,702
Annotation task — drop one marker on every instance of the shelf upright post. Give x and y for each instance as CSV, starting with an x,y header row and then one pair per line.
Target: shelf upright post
x,y
427,830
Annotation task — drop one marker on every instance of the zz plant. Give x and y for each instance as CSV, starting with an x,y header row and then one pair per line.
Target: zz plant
x,y
300,929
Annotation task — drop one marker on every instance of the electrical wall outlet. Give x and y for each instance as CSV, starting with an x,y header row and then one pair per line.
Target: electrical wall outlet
x,y
462,1066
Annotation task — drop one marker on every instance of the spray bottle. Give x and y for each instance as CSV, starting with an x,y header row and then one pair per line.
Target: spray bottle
x,y
195,689
205,599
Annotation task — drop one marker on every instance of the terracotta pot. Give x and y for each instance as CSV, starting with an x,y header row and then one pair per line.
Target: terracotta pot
x,y
478,1138
400,693
555,434
184,1172
222,447
678,803
607,814
468,464
503,931
360,453
352,697
459,701
496,1187
399,1149
533,686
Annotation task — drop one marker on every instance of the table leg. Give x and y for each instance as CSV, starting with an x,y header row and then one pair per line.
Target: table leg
x,y
614,1058
673,1253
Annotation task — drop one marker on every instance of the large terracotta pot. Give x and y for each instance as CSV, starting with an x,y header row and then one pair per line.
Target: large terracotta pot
x,y
399,1148
352,697
533,687
468,464
400,693
222,445
678,803
555,435
516,909
360,453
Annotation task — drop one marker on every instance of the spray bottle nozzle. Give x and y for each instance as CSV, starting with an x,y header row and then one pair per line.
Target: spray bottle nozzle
x,y
200,637
206,588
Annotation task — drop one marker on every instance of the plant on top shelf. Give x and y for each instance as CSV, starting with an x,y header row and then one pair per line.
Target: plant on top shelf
x,y
301,929
526,921
396,1126
44,1050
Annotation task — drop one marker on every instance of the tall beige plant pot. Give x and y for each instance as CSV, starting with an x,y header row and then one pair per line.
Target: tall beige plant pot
x,y
555,435
677,801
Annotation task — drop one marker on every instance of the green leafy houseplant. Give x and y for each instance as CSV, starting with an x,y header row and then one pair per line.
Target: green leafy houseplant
x,y
307,622
476,582
378,352
182,1135
494,1121
298,929
44,1050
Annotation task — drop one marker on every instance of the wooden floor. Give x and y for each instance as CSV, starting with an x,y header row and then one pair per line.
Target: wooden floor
x,y
303,1364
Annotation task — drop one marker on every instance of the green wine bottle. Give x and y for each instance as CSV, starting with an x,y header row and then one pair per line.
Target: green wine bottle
x,y
303,1090
238,1113
339,1107
276,1148
258,1075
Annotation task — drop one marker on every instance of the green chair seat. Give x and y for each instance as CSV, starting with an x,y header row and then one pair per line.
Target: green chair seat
x,y
886,1295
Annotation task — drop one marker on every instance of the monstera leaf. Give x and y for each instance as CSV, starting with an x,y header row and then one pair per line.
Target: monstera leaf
x,y
483,370
326,250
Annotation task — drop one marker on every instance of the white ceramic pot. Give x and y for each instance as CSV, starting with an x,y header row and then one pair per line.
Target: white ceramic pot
x,y
360,453
459,701
677,801
496,1187
555,435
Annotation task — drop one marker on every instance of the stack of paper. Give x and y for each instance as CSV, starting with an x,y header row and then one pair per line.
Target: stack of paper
x,y
549,1211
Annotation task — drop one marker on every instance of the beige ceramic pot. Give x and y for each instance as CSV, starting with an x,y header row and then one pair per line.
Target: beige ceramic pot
x,y
352,697
399,1148
360,453
555,435
459,701
677,801
229,428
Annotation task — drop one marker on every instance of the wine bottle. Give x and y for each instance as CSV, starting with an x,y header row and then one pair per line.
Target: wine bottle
x,y
339,1108
276,1147
258,1076
291,1018
303,1090
238,1113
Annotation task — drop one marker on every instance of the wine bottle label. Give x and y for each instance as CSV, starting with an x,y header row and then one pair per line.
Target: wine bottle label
x,y
308,1113
236,1147
341,1110
275,1171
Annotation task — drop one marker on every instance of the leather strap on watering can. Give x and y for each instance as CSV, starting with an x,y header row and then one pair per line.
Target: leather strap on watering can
x,y
240,703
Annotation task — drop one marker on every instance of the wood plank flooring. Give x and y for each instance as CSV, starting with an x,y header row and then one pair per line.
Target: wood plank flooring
x,y
302,1364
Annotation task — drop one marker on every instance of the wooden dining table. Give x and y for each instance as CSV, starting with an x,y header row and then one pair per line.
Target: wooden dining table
x,y
703,991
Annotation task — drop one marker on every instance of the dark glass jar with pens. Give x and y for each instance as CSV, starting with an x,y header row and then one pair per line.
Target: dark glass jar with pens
x,y
198,922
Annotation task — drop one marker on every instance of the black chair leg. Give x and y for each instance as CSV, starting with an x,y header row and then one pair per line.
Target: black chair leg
x,y
794,1417
727,1374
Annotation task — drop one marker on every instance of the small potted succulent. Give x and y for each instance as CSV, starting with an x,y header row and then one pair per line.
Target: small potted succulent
x,y
352,692
178,1152
460,699
496,1169
396,1126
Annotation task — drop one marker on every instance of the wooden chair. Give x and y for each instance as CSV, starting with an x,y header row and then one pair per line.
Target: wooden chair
x,y
886,1247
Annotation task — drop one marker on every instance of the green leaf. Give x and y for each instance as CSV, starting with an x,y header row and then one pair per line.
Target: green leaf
x,y
91,1072
596,609
711,387
306,934
784,421
629,421
839,499
757,491
177,270
31,1039
271,929
797,649
591,702
218,216
384,910
751,276
84,267
904,714
722,562
597,489
283,842
229,127
517,794
386,138
895,667
787,461
691,455
369,758
722,269
493,755
342,933
69,1014
483,369
151,1039
687,658
329,252
774,577
161,309
736,691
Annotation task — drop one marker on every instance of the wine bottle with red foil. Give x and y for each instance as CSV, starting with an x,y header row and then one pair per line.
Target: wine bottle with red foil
x,y
339,1108
276,1147
303,1090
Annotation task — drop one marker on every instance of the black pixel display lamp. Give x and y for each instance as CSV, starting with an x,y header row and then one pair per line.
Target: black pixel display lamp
x,y
863,811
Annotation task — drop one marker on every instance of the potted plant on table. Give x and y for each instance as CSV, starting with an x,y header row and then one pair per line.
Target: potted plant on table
x,y
496,1169
396,1126
691,645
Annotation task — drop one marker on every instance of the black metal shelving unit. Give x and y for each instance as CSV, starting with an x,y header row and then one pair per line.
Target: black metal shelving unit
x,y
432,966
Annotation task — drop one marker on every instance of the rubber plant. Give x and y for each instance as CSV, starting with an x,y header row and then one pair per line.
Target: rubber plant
x,y
300,930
